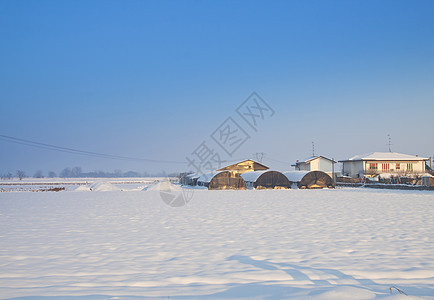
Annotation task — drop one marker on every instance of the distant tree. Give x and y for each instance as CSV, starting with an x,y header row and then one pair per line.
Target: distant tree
x,y
65,173
52,174
76,172
117,173
38,174
21,174
131,174
8,175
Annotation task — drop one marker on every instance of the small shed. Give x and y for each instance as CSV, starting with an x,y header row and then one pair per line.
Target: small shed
x,y
266,180
310,179
222,180
316,163
186,178
190,179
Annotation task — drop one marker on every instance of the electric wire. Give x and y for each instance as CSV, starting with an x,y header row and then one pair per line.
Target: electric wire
x,y
16,140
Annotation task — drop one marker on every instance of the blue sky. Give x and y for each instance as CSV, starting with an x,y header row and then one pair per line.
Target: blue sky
x,y
153,79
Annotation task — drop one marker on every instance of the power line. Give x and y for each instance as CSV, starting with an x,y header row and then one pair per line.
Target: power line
x,y
80,152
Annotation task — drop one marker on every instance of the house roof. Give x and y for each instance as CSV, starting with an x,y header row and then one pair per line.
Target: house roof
x,y
233,165
310,159
384,156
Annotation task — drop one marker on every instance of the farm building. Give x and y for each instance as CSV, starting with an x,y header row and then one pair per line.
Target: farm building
x,y
245,166
383,163
316,163
310,179
266,180
222,180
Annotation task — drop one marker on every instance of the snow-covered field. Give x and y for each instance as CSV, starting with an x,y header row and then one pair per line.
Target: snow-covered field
x,y
317,244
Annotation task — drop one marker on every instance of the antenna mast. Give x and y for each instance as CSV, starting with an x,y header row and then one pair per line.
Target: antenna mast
x,y
313,149
259,156
389,142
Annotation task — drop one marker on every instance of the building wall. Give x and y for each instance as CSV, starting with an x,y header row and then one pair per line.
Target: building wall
x,y
357,169
318,164
324,165
395,167
353,169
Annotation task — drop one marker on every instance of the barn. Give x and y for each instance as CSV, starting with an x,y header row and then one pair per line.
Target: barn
x,y
222,180
310,179
266,180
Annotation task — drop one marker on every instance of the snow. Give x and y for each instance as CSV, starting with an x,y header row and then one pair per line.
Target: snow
x,y
103,186
251,244
164,185
385,156
193,176
82,188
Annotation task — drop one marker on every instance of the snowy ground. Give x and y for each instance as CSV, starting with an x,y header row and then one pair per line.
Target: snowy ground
x,y
317,244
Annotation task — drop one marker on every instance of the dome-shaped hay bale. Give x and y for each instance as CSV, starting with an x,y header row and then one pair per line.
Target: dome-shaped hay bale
x,y
266,180
310,179
223,180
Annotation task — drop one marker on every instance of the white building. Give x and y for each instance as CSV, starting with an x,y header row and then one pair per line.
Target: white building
x,y
316,163
386,163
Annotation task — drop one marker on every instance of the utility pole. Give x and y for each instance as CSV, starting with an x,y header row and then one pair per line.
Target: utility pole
x,y
333,171
389,142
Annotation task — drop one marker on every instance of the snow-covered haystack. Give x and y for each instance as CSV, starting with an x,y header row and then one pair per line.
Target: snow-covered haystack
x,y
103,187
164,185
82,188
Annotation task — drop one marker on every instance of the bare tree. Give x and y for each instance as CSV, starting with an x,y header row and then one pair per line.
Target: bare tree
x,y
21,174
52,174
76,172
6,176
65,173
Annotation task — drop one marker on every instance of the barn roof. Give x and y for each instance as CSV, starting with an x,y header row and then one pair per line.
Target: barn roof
x,y
234,165
384,156
295,176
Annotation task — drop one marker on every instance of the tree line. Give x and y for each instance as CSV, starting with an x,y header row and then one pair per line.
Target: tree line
x,y
77,172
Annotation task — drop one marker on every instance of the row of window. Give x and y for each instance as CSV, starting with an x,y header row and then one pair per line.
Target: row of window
x,y
386,166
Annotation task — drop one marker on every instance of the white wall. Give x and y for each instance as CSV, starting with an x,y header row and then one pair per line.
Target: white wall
x,y
354,168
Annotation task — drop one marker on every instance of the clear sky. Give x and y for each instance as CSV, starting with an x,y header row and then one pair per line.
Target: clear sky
x,y
154,79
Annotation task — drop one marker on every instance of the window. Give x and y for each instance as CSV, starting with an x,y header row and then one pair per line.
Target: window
x,y
410,167
386,167
398,166
373,166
